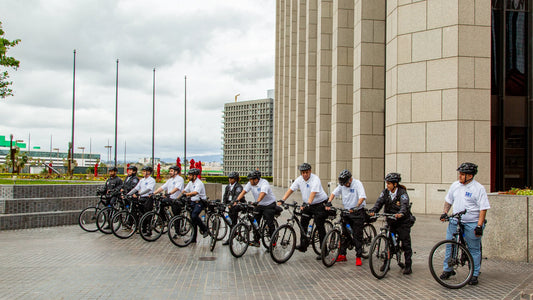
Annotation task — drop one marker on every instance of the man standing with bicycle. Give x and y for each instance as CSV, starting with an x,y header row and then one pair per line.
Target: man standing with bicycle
x,y
467,193
314,200
232,191
353,198
195,189
112,186
172,188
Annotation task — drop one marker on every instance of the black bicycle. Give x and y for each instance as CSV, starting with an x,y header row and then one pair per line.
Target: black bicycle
x,y
87,217
218,213
454,256
342,234
180,228
125,223
105,215
384,248
154,223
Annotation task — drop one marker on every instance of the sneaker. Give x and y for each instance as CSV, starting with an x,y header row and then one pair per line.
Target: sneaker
x,y
205,233
358,261
225,243
341,257
175,236
319,257
301,248
254,244
407,270
473,281
446,274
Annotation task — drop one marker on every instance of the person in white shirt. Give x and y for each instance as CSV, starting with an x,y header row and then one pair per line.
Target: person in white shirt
x,y
353,198
145,188
265,202
173,188
467,193
314,200
195,189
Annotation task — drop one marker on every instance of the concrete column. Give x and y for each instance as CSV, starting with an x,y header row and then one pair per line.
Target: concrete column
x,y
310,83
438,95
368,94
286,95
278,79
342,88
292,101
300,85
323,107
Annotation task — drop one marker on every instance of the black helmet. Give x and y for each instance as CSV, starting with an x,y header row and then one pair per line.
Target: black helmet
x,y
234,175
393,177
344,177
175,168
194,171
113,169
148,168
468,168
132,167
304,167
255,174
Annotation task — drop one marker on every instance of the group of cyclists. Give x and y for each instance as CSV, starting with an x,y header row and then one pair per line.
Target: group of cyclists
x,y
466,193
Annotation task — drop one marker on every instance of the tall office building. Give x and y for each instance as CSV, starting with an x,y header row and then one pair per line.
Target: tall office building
x,y
247,138
404,86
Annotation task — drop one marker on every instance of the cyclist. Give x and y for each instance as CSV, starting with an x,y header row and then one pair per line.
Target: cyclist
x,y
144,188
265,202
396,201
172,188
131,180
353,198
112,185
195,189
231,192
467,193
314,200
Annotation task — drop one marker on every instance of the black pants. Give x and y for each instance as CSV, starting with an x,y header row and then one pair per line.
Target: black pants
x,y
147,204
356,221
233,214
197,208
176,206
318,212
268,211
402,229
110,201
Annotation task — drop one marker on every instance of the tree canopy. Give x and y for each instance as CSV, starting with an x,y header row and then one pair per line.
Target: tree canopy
x,y
6,62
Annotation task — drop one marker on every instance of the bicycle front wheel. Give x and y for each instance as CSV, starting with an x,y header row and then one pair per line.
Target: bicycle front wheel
x,y
283,243
87,219
455,258
180,231
369,232
102,220
152,226
380,256
214,233
124,224
222,226
265,234
328,226
331,247
239,238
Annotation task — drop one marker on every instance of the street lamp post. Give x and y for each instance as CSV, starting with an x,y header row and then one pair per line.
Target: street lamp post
x,y
153,118
71,148
82,155
116,115
12,153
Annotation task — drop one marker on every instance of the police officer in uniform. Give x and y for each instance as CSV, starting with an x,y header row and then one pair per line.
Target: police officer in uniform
x,y
131,180
231,192
195,189
145,188
112,186
172,188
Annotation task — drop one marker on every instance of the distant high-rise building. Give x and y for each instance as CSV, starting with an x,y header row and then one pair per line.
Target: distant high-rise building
x,y
247,136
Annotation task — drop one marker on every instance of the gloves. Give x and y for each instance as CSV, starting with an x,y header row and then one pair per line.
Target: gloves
x,y
328,204
478,231
443,216
255,203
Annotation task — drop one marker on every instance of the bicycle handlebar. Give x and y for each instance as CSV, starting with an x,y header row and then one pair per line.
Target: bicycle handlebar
x,y
456,215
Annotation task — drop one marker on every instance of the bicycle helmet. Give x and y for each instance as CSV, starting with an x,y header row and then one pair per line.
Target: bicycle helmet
x,y
134,168
304,167
194,171
468,168
177,169
344,177
393,177
255,174
234,175
149,169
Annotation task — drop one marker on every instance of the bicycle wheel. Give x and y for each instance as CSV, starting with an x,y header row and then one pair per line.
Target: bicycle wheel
x,y
316,238
87,219
265,235
380,256
459,260
222,226
102,220
180,231
152,226
331,247
124,224
214,236
369,232
239,238
283,243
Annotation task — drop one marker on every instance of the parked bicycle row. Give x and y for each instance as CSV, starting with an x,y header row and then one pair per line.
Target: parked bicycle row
x,y
184,212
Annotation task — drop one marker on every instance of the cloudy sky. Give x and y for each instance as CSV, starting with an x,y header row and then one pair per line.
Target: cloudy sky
x,y
223,47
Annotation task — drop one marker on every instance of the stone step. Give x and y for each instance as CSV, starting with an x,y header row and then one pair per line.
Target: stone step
x,y
39,219
34,205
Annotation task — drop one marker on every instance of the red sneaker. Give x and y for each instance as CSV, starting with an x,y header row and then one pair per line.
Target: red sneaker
x,y
358,261
341,257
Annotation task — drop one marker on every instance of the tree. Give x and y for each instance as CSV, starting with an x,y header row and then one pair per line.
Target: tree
x,y
7,62
21,159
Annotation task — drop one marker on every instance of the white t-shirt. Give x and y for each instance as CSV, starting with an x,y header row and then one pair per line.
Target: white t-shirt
x,y
144,187
351,194
175,182
196,186
471,197
309,186
261,187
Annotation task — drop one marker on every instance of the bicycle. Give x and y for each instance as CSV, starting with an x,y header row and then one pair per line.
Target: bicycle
x,y
154,223
105,215
284,238
219,211
342,234
241,234
384,248
180,228
125,222
455,255
87,217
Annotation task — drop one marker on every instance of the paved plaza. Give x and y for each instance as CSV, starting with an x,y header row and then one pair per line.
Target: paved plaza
x,y
69,263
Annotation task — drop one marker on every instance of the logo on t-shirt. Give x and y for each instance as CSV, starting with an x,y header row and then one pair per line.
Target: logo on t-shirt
x,y
307,185
468,194
259,190
352,191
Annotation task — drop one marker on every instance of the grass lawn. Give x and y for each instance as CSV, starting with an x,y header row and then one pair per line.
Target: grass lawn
x,y
42,181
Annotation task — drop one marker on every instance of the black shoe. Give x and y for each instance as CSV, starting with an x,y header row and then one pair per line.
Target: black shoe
x,y
301,248
205,233
225,243
106,227
407,270
383,268
254,244
446,274
175,236
319,257
473,281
